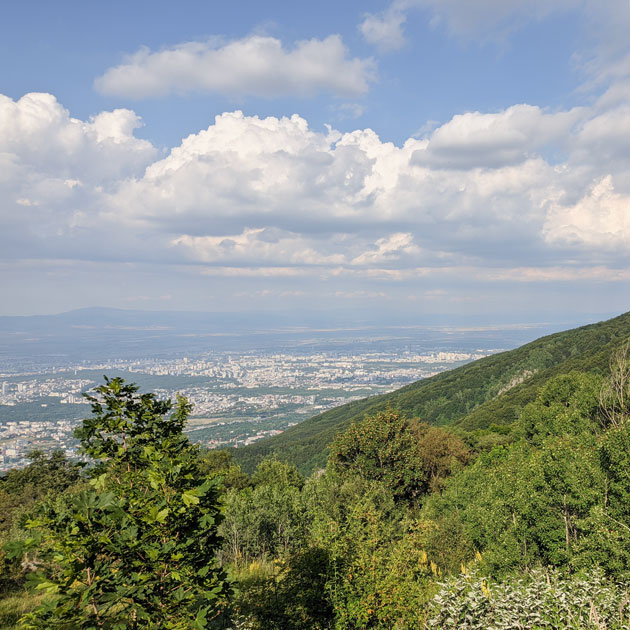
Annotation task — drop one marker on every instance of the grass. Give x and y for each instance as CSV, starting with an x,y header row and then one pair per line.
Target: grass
x,y
14,605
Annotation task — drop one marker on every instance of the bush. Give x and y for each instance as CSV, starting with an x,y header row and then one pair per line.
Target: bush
x,y
540,599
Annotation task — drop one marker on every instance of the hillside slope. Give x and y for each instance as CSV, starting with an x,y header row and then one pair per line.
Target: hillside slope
x,y
492,390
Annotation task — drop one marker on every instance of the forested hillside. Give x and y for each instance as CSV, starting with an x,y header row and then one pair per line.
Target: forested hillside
x,y
408,525
489,391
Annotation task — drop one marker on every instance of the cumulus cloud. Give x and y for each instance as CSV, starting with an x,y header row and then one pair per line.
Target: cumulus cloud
x,y
270,197
253,66
389,248
601,219
476,139
38,134
55,171
605,135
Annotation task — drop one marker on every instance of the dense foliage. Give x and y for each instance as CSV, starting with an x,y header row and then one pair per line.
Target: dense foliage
x,y
540,599
406,525
476,396
137,548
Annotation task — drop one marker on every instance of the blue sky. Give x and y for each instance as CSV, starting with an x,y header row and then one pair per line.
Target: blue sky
x,y
416,156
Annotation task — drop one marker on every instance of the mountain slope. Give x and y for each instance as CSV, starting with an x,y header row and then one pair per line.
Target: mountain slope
x,y
492,390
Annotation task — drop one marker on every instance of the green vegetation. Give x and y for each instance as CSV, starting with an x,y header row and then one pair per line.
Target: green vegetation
x,y
406,525
135,549
541,599
485,393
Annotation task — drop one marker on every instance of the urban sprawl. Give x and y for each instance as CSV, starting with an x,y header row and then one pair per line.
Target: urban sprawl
x,y
237,398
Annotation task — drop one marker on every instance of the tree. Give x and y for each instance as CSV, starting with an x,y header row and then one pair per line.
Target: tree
x,y
267,520
21,488
220,463
136,550
382,448
614,398
442,453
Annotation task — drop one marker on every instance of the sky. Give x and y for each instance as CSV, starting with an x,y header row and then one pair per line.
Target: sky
x,y
413,157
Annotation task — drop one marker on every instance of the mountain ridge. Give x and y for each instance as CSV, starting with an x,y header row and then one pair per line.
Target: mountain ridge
x,y
467,398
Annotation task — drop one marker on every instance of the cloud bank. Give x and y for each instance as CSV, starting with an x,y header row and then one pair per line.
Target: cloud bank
x,y
272,197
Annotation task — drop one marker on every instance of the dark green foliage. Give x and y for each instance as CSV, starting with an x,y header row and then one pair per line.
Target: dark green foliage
x,y
523,505
22,488
292,596
137,549
491,390
409,458
268,519
608,544
566,404
220,463
382,448
273,472
380,574
441,452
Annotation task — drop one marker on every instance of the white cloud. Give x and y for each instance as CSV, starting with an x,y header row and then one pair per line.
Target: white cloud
x,y
270,198
605,135
476,139
260,246
255,65
482,20
389,248
601,219
55,171
384,30
38,134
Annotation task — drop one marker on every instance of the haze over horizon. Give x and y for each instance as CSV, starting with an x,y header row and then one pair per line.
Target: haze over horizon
x,y
417,156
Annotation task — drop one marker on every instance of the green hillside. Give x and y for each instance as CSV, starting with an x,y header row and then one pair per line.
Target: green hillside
x,y
490,391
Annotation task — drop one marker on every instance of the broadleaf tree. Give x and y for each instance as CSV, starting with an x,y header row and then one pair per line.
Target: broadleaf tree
x,y
137,549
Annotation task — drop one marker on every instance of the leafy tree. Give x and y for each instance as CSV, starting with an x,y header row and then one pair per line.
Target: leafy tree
x,y
379,573
46,474
442,453
137,549
272,471
288,595
382,448
614,397
20,490
267,520
220,463
567,404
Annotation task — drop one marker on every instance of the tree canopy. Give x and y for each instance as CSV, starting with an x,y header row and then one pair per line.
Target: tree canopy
x,y
137,549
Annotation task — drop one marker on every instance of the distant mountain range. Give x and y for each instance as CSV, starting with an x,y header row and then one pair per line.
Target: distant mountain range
x,y
482,395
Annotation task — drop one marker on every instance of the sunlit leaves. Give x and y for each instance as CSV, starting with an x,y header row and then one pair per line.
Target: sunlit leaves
x,y
137,549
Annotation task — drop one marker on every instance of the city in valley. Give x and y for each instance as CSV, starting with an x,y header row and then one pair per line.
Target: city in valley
x,y
237,398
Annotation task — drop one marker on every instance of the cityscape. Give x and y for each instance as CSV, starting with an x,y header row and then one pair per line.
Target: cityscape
x,y
237,398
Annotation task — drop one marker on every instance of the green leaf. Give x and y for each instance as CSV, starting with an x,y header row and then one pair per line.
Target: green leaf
x,y
190,498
